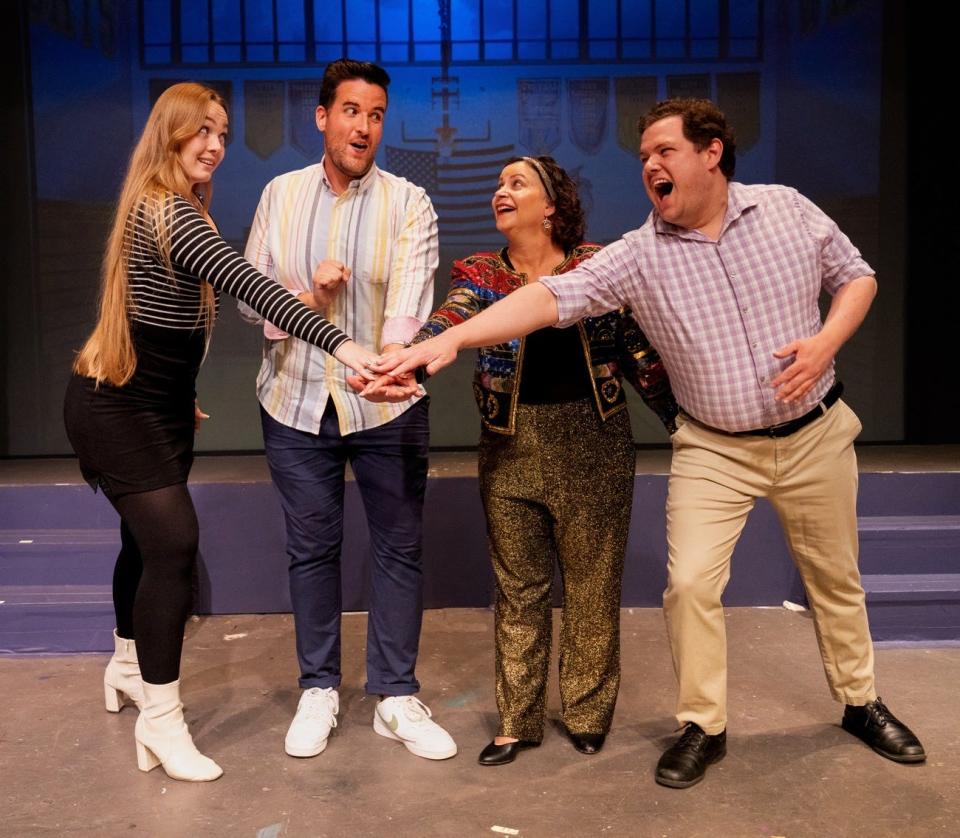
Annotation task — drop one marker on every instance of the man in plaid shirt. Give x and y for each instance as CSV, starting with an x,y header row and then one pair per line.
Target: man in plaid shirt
x,y
724,279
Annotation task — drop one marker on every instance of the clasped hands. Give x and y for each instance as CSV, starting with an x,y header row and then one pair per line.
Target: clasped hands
x,y
375,386
391,376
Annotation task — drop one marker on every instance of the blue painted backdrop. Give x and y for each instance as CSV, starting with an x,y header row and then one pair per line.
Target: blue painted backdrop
x,y
474,81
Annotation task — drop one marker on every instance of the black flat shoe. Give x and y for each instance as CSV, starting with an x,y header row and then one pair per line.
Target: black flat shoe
x,y
587,743
881,730
685,762
495,754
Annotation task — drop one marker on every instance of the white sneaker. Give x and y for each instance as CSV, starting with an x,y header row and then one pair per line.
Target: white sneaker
x,y
316,717
407,719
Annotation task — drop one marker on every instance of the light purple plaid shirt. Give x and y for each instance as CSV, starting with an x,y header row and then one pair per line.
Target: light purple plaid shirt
x,y
717,310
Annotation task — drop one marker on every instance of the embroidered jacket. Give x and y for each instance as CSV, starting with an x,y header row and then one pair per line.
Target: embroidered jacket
x,y
614,346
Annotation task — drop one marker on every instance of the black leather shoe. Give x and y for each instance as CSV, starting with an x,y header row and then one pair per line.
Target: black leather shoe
x,y
882,731
587,743
685,762
495,754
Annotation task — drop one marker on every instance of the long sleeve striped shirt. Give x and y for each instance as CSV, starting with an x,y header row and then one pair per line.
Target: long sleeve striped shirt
x,y
385,230
198,255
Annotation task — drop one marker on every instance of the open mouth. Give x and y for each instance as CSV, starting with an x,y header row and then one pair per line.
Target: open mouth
x,y
662,188
359,146
502,208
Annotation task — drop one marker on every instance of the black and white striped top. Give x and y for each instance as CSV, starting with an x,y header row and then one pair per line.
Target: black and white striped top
x,y
199,255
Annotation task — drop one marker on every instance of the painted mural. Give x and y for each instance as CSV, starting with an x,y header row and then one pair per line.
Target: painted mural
x,y
474,82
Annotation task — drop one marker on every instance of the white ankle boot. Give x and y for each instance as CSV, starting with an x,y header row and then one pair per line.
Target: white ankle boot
x,y
122,677
163,739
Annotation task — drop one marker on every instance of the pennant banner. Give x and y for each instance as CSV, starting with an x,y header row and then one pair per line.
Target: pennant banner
x,y
693,86
635,95
588,112
304,136
263,116
539,114
738,96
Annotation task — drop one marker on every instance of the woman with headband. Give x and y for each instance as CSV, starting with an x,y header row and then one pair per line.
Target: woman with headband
x,y
556,464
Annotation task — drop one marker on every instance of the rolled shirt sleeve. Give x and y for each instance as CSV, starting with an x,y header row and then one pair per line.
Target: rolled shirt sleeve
x,y
594,287
840,260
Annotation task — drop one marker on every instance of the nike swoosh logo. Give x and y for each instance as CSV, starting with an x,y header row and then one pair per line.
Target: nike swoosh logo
x,y
393,724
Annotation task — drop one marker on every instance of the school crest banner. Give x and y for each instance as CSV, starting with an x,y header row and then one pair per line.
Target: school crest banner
x,y
695,86
263,116
738,95
304,136
587,100
538,101
634,95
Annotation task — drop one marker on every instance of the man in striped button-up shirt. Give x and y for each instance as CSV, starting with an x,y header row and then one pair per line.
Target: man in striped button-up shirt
x,y
725,280
359,245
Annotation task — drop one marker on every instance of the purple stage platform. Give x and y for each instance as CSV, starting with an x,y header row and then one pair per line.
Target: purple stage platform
x,y
58,542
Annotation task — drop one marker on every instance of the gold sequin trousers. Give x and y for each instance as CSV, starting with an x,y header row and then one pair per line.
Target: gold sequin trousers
x,y
562,487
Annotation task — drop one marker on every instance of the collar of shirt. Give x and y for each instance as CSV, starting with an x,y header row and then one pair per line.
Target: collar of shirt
x,y
739,201
360,184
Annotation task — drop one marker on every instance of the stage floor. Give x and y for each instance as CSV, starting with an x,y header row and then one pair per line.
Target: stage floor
x,y
247,468
69,767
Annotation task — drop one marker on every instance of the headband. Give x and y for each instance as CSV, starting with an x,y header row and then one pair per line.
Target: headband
x,y
544,178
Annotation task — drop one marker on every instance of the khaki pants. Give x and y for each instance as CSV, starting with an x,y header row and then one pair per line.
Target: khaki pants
x,y
810,477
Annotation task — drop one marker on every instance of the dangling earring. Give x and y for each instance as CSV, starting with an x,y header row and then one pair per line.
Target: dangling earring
x,y
547,224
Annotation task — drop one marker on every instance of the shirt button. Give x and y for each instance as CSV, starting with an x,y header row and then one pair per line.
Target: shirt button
x,y
753,345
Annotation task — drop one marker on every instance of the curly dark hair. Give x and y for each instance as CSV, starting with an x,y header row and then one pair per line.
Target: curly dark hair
x,y
703,121
568,221
345,69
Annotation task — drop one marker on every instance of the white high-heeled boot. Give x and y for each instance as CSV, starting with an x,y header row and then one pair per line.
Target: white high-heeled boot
x,y
122,676
163,739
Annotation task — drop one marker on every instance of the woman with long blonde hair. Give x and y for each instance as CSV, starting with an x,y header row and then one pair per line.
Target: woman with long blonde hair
x,y
130,408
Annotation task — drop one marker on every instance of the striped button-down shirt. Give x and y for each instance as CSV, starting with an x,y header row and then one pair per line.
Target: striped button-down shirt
x,y
717,310
385,230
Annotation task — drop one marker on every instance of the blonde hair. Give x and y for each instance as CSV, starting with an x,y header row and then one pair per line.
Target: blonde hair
x,y
155,173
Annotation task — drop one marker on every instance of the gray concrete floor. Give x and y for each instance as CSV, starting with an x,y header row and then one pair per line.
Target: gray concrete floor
x,y
68,767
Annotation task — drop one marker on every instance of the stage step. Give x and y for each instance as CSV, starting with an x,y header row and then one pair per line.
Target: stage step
x,y
888,587
894,544
40,619
910,568
58,543
58,556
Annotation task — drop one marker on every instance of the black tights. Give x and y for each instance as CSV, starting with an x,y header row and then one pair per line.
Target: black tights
x,y
152,580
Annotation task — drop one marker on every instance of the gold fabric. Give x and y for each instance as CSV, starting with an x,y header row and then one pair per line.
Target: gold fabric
x,y
561,487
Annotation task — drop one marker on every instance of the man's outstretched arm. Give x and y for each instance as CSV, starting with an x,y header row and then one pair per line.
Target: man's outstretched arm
x,y
519,313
